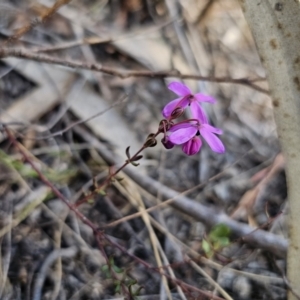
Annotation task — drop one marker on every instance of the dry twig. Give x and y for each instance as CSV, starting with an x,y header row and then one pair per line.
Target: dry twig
x,y
25,54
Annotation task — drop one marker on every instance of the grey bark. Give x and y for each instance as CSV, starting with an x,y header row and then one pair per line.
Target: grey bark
x,y
275,26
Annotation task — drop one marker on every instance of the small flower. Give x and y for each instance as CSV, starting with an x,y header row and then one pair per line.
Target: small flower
x,y
187,98
186,134
192,146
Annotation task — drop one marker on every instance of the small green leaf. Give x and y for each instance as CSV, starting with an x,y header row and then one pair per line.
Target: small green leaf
x,y
90,201
104,268
220,243
137,292
111,261
219,231
224,241
106,271
131,282
118,287
102,192
206,246
117,269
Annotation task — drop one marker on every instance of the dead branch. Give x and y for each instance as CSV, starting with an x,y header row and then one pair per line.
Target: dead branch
x,y
74,64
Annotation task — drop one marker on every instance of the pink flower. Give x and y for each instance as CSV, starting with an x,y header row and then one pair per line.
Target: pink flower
x,y
187,134
192,146
187,98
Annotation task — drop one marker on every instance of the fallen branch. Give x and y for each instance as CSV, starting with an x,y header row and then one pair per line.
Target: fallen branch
x,y
253,237
26,54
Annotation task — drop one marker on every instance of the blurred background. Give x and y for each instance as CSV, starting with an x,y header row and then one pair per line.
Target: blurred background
x,y
46,252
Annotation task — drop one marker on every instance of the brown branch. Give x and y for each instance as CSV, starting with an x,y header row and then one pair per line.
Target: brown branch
x,y
26,54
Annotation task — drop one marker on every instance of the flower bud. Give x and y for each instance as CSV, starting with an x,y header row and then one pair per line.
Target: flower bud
x,y
166,143
150,141
164,125
192,146
177,112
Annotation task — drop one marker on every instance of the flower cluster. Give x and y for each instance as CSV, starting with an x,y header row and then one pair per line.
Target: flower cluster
x,y
187,133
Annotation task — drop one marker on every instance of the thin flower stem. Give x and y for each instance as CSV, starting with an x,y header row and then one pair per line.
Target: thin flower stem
x,y
111,176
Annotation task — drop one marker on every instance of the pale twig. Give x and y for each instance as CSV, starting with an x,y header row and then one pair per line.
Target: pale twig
x,y
67,45
210,280
134,197
58,265
5,255
26,54
52,257
35,198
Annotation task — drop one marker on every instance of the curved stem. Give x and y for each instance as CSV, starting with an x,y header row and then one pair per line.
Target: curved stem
x,y
111,176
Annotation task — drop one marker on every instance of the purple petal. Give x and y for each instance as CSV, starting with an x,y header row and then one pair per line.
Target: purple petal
x,y
169,108
212,129
198,112
204,98
182,135
192,146
214,142
179,89
182,125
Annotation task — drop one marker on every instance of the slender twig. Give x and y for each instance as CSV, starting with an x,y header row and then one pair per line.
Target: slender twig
x,y
67,45
52,257
27,54
60,132
113,174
